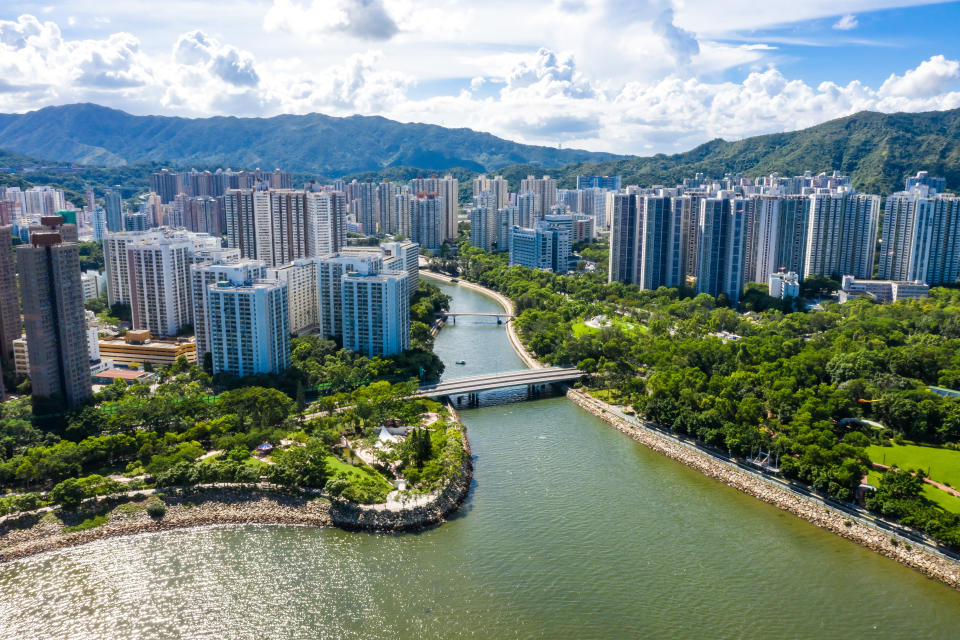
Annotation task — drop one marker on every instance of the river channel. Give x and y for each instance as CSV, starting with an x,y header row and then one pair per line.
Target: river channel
x,y
571,530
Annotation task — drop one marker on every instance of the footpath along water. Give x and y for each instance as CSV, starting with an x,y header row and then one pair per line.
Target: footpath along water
x,y
572,530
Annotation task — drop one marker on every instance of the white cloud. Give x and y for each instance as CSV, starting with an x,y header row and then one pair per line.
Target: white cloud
x,y
670,115
930,78
547,74
356,86
846,23
231,65
543,95
682,44
34,56
366,19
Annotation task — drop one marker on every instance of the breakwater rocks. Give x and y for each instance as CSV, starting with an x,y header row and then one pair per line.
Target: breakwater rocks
x,y
358,517
931,565
191,507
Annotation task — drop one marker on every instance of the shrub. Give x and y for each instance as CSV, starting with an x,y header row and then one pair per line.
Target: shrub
x,y
90,523
68,493
26,502
336,485
156,509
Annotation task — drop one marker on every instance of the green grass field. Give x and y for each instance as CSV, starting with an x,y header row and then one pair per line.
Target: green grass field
x,y
581,328
336,465
942,465
940,497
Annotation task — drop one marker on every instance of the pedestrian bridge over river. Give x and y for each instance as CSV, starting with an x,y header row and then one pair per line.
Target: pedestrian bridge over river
x,y
453,315
476,384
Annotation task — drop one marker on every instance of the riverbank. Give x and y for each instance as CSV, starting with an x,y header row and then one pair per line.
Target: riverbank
x,y
913,556
506,303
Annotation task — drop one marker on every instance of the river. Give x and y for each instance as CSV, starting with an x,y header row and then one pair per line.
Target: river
x,y
571,530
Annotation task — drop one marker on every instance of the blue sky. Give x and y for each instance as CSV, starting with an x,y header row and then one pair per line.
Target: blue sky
x,y
630,76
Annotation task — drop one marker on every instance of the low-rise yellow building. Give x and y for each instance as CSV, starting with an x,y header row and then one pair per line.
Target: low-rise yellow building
x,y
139,347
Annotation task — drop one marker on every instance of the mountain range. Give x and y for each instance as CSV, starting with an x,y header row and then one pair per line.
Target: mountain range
x,y
877,150
324,145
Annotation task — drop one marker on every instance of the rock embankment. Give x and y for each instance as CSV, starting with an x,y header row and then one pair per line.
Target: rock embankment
x,y
927,563
358,517
195,507
37,532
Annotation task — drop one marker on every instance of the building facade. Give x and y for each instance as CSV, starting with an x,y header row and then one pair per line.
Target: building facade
x,y
249,330
54,317
376,313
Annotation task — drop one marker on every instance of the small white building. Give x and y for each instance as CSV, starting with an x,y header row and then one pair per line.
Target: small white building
x,y
882,290
21,358
784,285
94,285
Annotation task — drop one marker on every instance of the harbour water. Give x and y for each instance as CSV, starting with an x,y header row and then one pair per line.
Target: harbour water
x,y
571,530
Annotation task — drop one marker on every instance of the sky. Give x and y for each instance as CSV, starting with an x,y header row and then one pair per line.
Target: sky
x,y
624,76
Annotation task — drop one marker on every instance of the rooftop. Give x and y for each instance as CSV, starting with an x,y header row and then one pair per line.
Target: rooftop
x,y
123,374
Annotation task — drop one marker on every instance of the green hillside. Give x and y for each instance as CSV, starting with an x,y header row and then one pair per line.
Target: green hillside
x,y
314,143
877,150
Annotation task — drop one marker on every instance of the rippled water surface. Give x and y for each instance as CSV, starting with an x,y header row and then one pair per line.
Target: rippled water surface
x,y
571,531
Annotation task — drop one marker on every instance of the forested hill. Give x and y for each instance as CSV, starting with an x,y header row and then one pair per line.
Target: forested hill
x,y
877,150
314,143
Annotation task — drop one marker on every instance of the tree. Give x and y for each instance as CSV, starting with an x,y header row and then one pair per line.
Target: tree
x,y
301,401
422,446
121,311
68,493
91,256
301,466
263,407
420,336
97,305
818,286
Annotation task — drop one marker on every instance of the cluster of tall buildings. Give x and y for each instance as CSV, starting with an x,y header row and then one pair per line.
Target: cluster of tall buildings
x,y
730,232
424,209
538,224
278,226
168,184
243,308
34,201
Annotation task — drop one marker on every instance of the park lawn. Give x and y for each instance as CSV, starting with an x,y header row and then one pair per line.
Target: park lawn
x,y
581,329
610,396
942,465
335,465
937,496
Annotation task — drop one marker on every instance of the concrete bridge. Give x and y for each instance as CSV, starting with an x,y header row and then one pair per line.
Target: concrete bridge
x,y
472,386
500,316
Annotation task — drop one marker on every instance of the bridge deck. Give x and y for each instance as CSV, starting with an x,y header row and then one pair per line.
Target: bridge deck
x,y
476,384
453,314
